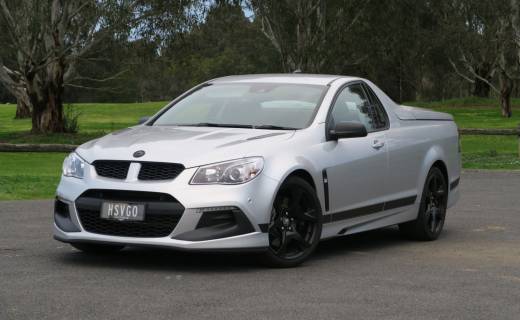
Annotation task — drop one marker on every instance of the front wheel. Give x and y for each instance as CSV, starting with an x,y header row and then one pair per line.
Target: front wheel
x,y
432,211
295,226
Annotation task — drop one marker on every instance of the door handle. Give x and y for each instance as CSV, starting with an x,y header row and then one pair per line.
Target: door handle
x,y
378,144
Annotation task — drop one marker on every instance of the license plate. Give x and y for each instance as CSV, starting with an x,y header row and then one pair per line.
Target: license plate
x,y
122,211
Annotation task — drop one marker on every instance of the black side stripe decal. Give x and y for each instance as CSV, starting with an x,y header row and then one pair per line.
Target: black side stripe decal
x,y
358,212
371,209
454,184
326,189
389,205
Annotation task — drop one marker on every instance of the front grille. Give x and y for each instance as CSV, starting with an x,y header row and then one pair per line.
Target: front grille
x,y
159,171
112,169
150,171
162,213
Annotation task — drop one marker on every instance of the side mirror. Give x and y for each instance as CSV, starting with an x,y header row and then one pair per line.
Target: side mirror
x,y
143,120
347,130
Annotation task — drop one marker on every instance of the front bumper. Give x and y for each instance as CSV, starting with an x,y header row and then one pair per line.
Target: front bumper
x,y
253,199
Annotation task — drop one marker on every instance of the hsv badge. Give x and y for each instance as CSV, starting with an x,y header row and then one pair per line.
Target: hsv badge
x,y
139,154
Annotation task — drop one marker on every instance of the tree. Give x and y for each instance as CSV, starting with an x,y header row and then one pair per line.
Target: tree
x,y
48,38
493,49
470,27
12,82
397,44
302,30
51,37
226,42
296,29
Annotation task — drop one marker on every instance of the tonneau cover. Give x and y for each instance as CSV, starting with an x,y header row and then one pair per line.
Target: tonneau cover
x,y
413,113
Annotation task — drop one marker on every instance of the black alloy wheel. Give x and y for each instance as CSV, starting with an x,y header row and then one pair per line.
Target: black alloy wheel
x,y
432,211
295,226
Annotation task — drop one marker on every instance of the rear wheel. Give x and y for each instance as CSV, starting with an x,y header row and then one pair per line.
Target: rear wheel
x,y
295,226
95,248
432,211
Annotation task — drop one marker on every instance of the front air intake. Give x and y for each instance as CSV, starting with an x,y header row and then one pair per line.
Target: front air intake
x,y
162,213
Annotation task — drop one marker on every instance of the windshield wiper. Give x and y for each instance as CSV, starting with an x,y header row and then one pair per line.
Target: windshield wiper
x,y
217,125
273,127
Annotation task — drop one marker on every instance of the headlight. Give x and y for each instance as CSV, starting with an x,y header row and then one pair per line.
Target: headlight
x,y
229,172
73,166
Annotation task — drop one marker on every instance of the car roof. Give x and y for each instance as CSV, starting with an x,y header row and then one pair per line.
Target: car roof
x,y
295,78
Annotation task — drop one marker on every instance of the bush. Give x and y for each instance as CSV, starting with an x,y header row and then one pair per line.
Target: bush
x,y
71,119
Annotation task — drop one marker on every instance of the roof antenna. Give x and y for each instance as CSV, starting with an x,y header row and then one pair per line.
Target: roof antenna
x,y
297,71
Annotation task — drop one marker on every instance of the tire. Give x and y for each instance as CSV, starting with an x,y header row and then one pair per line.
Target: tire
x,y
295,226
95,248
432,210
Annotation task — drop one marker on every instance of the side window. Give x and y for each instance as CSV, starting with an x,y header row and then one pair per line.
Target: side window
x,y
376,110
353,104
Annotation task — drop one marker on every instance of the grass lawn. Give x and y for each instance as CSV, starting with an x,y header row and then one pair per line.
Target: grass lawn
x,y
475,112
95,120
29,175
490,152
35,175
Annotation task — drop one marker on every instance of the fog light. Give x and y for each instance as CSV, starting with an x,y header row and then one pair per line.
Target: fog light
x,y
62,217
217,223
217,216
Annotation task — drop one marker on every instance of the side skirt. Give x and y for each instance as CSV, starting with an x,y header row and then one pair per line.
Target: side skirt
x,y
368,210
364,223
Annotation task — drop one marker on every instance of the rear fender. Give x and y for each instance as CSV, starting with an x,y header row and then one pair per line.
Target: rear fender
x,y
434,154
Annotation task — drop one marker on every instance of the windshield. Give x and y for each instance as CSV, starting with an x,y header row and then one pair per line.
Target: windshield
x,y
247,105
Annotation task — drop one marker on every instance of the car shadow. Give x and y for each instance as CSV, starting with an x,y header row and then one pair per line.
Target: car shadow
x,y
168,260
364,242
159,259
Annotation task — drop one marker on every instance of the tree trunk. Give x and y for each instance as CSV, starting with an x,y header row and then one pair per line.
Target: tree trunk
x,y
506,88
23,111
481,88
46,95
47,115
505,104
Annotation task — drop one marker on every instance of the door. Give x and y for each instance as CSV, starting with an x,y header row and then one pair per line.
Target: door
x,y
358,168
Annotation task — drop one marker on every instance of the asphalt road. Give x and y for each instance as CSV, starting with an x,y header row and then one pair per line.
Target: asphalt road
x,y
471,272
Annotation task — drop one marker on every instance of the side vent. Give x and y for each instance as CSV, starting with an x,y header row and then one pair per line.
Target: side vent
x,y
326,188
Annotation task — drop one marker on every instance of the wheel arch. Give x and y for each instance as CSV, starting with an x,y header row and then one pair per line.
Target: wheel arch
x,y
435,157
306,174
444,169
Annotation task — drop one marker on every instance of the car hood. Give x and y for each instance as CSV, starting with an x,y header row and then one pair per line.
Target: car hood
x,y
190,146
